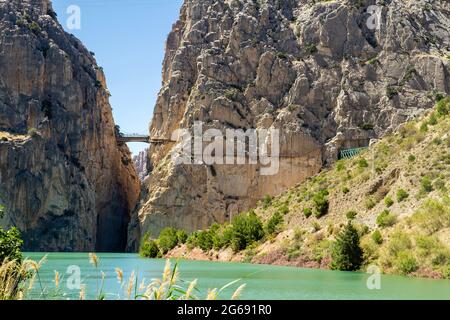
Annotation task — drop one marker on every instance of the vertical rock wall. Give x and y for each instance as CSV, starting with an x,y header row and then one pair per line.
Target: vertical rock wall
x,y
314,69
64,180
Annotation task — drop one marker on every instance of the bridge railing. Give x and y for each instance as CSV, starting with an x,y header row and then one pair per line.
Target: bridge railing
x,y
350,153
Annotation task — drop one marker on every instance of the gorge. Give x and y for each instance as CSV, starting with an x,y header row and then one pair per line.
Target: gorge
x,y
314,70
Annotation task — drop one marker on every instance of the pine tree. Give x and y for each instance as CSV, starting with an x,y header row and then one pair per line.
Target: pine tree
x,y
346,252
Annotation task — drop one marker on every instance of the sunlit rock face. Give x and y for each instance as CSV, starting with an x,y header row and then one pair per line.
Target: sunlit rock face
x,y
328,74
140,163
65,182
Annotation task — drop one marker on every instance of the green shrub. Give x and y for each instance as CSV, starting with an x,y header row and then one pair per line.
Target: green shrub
x,y
267,201
191,241
362,163
351,215
443,106
366,126
316,226
402,195
391,92
247,228
149,249
370,203
405,262
307,212
345,190
201,239
293,252
340,165
311,48
10,244
388,201
282,56
283,209
34,27
398,242
167,240
321,203
433,119
273,226
446,269
441,258
424,127
439,184
21,22
426,185
346,252
205,240
221,236
377,237
437,141
411,158
433,216
182,236
386,219
321,250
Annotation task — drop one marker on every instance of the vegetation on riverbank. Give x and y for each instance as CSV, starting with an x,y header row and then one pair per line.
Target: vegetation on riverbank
x,y
395,194
244,231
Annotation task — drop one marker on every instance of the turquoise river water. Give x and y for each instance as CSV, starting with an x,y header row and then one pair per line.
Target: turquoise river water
x,y
262,281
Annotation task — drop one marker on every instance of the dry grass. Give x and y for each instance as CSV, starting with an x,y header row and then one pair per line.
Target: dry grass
x,y
168,288
17,279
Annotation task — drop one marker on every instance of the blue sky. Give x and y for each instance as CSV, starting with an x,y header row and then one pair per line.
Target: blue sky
x,y
128,38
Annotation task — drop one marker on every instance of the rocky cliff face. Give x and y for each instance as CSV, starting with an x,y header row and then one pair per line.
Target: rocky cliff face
x,y
328,74
140,163
63,179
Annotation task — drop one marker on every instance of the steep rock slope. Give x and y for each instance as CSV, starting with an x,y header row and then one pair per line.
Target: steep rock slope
x,y
396,193
316,70
63,179
140,163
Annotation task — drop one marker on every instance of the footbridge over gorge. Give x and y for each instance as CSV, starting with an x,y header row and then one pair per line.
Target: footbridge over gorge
x,y
136,137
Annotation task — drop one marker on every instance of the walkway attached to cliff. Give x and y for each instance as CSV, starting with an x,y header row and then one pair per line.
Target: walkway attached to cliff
x,y
135,137
350,153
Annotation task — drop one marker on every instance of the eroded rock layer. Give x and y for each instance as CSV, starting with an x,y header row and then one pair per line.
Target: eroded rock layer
x,y
65,182
328,74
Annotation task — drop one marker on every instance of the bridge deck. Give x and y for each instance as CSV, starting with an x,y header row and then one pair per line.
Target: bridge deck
x,y
141,138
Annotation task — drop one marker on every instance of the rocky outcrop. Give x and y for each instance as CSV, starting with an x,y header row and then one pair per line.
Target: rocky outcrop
x,y
329,75
65,182
140,163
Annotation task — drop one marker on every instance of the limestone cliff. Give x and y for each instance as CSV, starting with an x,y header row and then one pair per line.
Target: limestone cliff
x,y
328,74
64,180
140,163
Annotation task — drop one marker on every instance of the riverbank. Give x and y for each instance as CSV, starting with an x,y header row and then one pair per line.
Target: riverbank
x,y
276,257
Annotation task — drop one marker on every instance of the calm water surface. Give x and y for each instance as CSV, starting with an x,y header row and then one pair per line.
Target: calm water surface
x,y
263,282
